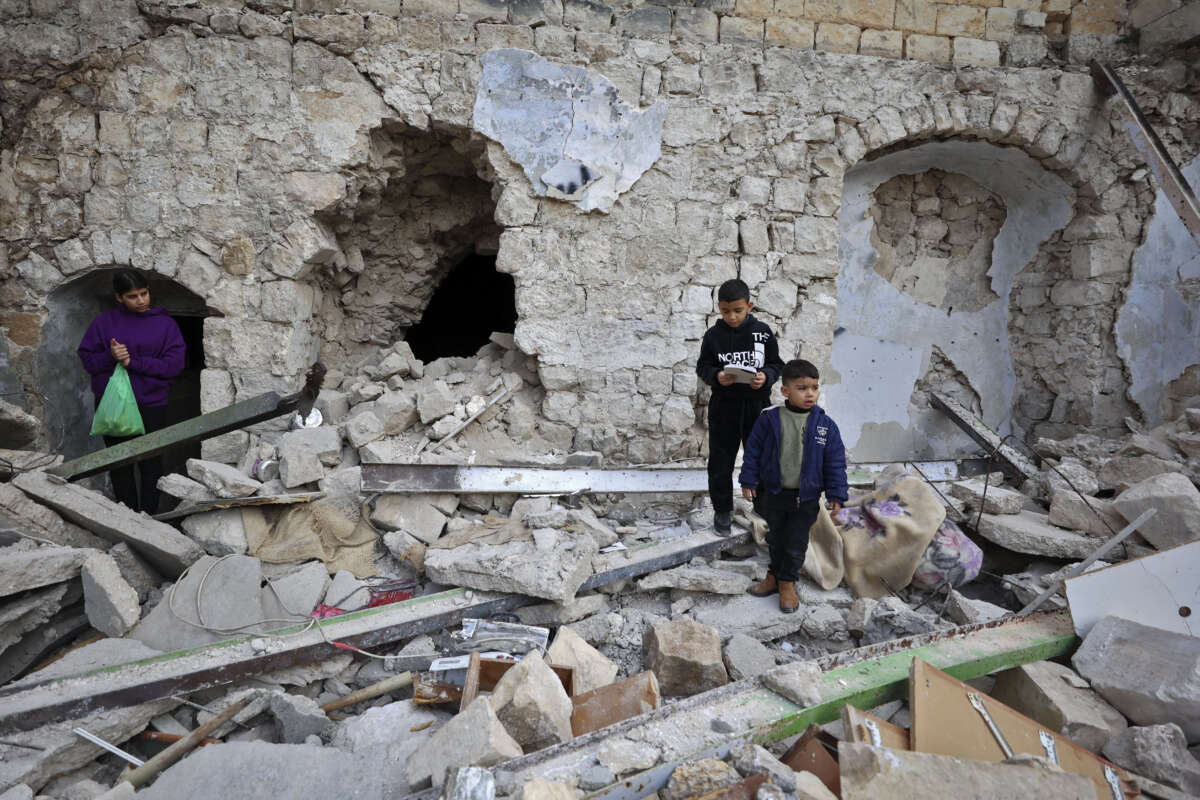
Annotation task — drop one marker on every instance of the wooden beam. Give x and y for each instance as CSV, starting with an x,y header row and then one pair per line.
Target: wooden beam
x,y
1015,465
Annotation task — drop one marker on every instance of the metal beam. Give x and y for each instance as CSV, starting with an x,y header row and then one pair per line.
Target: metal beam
x,y
28,706
1012,461
1173,184
231,418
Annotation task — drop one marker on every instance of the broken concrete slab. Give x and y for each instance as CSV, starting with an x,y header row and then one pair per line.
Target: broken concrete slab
x,y
584,520
186,618
415,514
760,617
1031,533
94,655
623,756
799,682
387,736
1070,472
21,570
696,578
1159,752
1147,674
220,533
294,596
1122,472
554,614
184,488
868,773
28,611
37,520
110,603
591,668
324,441
746,657
751,759
297,717
166,548
347,592
435,402
1178,503
517,567
1068,510
225,481
532,704
134,569
362,429
966,611
301,467
471,783
685,656
994,499
1061,700
260,769
475,737
397,411
698,778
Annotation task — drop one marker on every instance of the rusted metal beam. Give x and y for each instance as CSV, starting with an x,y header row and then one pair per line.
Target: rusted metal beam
x,y
1015,465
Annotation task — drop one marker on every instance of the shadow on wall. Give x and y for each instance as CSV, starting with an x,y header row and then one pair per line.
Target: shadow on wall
x,y
65,384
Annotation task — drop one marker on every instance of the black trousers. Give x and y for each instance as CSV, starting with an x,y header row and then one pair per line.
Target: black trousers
x,y
149,470
787,530
729,424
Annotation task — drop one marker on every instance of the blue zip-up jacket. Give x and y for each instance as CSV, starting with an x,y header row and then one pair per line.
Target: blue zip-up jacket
x,y
823,467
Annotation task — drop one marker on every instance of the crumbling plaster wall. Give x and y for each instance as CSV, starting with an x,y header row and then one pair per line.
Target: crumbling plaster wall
x,y
220,146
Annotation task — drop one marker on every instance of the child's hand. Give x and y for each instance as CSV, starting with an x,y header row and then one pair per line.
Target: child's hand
x,y
748,493
759,379
724,378
834,508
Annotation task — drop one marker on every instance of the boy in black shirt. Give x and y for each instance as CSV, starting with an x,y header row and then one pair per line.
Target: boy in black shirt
x,y
739,359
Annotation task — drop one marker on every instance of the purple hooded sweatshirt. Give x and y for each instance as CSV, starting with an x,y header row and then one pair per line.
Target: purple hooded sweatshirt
x,y
156,352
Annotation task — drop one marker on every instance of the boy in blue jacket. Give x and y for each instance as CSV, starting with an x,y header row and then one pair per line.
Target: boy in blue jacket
x,y
794,453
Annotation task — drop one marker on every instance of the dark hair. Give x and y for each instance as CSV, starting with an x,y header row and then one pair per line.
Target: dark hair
x,y
126,280
799,368
733,290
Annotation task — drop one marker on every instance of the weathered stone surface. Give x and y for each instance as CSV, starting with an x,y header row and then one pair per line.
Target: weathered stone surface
x,y
300,467
1122,472
325,442
1148,674
517,566
532,704
746,657
1072,470
436,402
584,520
297,717
110,603
996,500
685,656
475,737
966,611
1178,502
230,599
386,737
696,778
874,772
160,544
1031,533
250,769
555,614
41,566
219,532
1068,510
592,668
415,514
471,783
542,789
799,682
696,578
1061,700
223,479
1158,752
134,569
751,759
184,488
577,142
623,756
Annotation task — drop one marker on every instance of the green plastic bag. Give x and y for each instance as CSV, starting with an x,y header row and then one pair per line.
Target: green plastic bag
x,y
117,414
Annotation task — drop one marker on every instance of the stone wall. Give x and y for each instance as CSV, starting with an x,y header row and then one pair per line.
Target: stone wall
x,y
311,174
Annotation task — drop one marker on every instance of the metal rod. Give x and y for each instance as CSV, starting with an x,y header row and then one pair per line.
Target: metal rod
x,y
112,748
144,772
470,419
1124,534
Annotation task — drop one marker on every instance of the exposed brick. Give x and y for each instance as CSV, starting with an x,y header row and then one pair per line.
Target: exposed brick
x,y
976,52
1001,24
647,22
484,10
795,33
587,15
1098,16
789,8
1029,5
490,37
834,37
875,13
696,24
961,21
551,40
741,30
885,44
1032,20
753,8
920,47
919,16
1026,50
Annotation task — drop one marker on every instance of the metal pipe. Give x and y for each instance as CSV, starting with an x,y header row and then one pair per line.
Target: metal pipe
x,y
112,748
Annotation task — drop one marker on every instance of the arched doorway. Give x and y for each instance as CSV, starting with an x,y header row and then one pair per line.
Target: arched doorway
x,y
64,383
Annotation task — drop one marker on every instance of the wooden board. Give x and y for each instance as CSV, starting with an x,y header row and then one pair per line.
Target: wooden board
x,y
607,705
854,721
944,722
810,753
484,673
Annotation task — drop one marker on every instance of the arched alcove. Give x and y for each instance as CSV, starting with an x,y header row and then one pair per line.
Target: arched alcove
x,y
66,386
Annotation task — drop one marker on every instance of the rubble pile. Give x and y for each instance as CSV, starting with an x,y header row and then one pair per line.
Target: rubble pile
x,y
576,654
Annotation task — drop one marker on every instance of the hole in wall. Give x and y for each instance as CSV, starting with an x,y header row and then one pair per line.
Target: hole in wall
x,y
471,302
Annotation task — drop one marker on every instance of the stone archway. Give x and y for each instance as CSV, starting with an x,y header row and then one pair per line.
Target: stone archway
x,y
62,380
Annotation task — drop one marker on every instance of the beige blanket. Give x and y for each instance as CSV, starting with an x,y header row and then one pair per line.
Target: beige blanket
x,y
317,530
876,544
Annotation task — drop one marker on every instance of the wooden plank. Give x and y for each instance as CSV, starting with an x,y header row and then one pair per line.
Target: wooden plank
x,y
1161,590
199,507
608,705
811,753
1009,459
944,722
865,728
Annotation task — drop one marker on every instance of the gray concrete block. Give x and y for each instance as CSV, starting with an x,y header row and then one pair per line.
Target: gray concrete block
x,y
41,566
110,603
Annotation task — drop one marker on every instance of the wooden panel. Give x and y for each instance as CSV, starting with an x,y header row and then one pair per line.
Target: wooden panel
x,y
610,704
855,720
484,673
811,753
1161,590
944,722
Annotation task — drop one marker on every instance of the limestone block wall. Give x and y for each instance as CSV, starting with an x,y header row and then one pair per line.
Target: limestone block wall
x,y
307,168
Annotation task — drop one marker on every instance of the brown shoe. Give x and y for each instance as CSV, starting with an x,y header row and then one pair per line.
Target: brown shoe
x,y
767,586
789,601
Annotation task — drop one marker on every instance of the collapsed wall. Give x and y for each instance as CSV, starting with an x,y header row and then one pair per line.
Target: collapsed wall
x,y
312,175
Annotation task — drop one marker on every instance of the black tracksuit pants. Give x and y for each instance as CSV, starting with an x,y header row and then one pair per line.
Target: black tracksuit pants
x,y
149,470
729,422
788,523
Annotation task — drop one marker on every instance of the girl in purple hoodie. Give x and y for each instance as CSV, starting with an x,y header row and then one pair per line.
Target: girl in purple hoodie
x,y
148,342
